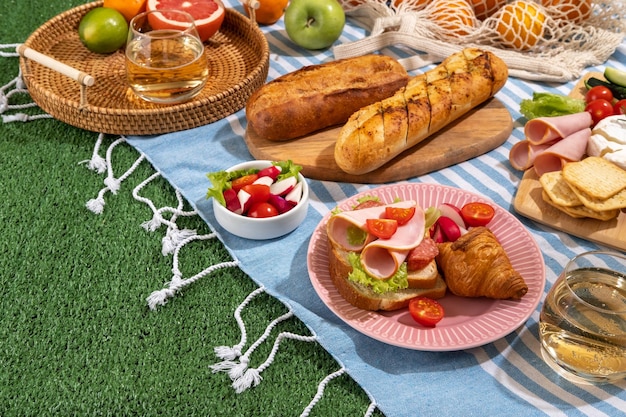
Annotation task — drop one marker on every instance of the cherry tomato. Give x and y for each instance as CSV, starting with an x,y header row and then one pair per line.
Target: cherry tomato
x,y
598,92
401,215
599,109
426,311
262,210
259,193
382,228
477,214
240,182
619,107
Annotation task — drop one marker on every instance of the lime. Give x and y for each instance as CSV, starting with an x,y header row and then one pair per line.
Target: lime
x,y
103,30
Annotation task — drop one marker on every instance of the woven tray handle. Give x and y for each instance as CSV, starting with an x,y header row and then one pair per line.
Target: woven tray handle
x,y
82,77
252,6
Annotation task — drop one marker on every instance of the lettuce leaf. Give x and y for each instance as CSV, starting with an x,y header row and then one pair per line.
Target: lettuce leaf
x,y
398,281
550,105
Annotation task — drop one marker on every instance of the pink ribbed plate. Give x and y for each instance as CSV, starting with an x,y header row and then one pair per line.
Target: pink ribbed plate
x,y
468,322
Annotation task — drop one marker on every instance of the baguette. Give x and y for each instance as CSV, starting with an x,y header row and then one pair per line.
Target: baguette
x,y
428,281
319,96
377,133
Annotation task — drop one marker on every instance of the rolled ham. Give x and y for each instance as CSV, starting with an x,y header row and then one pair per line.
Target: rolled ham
x,y
543,135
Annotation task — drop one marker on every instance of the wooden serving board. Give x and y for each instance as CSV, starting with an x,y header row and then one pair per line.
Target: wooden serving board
x,y
481,130
528,202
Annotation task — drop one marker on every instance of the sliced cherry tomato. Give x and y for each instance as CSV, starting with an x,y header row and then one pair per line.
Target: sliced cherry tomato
x,y
477,214
401,215
426,311
382,228
599,109
619,107
241,182
262,210
599,92
259,193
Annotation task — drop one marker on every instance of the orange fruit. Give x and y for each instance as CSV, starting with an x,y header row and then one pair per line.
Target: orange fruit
x,y
128,8
269,11
485,8
415,4
103,30
456,17
208,14
521,24
576,11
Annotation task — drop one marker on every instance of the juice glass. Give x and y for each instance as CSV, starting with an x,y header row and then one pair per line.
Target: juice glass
x,y
582,326
165,58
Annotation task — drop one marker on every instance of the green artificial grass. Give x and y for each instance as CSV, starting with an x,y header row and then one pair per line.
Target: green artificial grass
x,y
76,335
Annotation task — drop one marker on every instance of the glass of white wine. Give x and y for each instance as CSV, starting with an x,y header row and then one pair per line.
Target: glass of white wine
x,y
165,58
582,326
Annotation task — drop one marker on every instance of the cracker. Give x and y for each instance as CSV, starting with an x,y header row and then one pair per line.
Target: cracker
x,y
558,189
596,177
616,202
580,212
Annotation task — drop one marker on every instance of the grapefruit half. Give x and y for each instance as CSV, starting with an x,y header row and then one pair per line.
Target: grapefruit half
x,y
208,15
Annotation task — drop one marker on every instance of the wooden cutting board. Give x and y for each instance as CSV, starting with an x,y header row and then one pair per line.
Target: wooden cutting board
x,y
528,202
483,129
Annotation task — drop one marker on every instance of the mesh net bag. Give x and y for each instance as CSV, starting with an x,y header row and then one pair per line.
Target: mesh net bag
x,y
543,40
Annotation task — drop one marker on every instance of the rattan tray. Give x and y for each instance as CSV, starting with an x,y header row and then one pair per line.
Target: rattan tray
x,y
238,58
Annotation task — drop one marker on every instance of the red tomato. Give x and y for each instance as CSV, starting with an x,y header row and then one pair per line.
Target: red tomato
x,y
477,214
426,311
262,210
598,92
599,109
382,228
401,215
259,193
240,182
619,107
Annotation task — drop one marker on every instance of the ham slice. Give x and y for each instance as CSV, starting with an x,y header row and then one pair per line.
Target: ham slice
x,y
543,133
548,129
381,258
339,225
570,148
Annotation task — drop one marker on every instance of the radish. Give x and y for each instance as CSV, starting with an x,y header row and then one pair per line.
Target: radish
x,y
232,202
283,186
295,194
244,200
280,203
452,212
265,180
436,234
449,228
273,172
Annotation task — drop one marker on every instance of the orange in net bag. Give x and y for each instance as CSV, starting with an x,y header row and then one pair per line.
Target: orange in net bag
x,y
520,24
575,11
455,17
486,8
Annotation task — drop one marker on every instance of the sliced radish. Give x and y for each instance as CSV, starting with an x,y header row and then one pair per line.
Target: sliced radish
x,y
436,234
265,180
232,202
283,186
449,228
452,212
295,195
244,200
273,172
280,203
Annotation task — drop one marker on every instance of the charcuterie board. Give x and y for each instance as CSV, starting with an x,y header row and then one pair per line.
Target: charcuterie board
x,y
529,203
481,130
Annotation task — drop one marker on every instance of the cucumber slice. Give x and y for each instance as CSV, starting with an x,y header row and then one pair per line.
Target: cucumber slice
x,y
615,76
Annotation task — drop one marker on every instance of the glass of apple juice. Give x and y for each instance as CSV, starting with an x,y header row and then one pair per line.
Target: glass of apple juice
x,y
582,326
165,58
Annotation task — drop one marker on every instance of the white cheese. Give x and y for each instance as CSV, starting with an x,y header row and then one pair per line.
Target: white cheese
x,y
608,140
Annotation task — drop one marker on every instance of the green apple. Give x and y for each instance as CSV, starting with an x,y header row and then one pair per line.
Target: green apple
x,y
314,24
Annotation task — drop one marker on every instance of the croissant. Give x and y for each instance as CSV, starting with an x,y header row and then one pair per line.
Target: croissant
x,y
476,265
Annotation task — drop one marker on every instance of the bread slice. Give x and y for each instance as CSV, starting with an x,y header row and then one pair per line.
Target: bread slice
x,y
364,297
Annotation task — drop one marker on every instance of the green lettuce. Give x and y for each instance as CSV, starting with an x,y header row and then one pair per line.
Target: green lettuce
x,y
550,105
398,281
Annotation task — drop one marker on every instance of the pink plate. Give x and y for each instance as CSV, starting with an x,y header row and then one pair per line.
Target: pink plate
x,y
468,322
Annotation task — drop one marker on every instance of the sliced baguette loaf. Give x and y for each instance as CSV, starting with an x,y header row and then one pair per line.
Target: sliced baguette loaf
x,y
364,297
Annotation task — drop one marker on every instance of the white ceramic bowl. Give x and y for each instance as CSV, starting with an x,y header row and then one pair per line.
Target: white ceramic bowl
x,y
265,228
